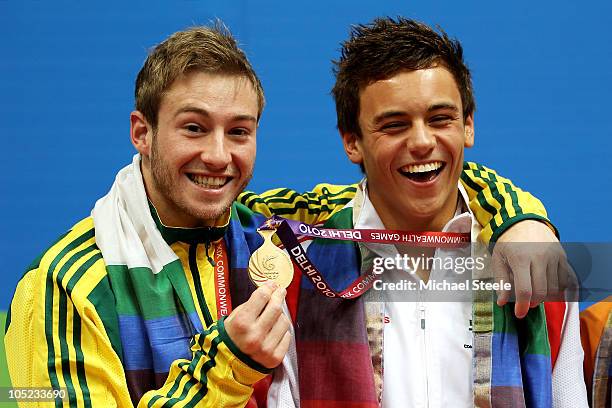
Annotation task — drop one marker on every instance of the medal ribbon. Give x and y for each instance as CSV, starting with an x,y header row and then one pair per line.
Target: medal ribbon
x,y
287,230
222,292
422,239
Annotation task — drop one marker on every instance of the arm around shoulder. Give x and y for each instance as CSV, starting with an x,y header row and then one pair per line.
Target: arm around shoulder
x,y
311,207
497,203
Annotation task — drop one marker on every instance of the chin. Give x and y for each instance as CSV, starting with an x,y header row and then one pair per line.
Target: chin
x,y
425,211
210,213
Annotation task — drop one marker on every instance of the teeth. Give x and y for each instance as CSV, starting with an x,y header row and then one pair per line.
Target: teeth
x,y
422,168
207,181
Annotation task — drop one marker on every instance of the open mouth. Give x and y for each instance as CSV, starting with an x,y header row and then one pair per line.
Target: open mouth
x,y
422,173
209,182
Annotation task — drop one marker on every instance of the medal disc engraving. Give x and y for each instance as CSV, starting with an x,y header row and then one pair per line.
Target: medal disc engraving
x,y
270,263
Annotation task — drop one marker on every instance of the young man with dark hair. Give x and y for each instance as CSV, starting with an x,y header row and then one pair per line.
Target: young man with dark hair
x,y
405,113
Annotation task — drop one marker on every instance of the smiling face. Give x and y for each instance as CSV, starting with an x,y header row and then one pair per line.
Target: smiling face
x,y
413,135
202,154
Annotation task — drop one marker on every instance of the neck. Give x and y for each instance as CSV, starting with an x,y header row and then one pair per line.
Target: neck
x,y
395,219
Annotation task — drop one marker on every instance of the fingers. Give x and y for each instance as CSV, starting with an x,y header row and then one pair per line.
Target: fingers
x,y
283,347
273,310
522,287
539,284
552,276
276,334
539,270
510,262
259,300
273,358
563,273
276,343
526,248
500,272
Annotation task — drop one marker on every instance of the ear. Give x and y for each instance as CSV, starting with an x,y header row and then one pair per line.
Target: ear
x,y
352,147
141,133
469,130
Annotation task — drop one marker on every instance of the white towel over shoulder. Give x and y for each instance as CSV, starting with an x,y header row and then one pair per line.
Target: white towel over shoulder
x,y
125,231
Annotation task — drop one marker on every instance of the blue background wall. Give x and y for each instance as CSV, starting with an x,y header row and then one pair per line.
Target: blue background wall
x,y
541,73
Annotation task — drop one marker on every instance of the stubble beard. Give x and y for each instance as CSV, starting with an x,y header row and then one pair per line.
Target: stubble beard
x,y
161,173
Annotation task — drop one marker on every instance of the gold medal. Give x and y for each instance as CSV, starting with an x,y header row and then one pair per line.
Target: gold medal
x,y
270,263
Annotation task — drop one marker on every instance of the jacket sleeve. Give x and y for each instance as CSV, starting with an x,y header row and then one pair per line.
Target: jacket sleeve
x,y
55,337
218,375
62,333
497,203
311,207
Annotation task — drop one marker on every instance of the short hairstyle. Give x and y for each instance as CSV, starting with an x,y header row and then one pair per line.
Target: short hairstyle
x,y
207,49
382,49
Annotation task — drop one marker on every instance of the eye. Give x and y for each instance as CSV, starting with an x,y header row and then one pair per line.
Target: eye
x,y
239,132
193,128
391,126
441,120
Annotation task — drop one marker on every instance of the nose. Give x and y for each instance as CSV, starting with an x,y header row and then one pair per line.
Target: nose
x,y
421,140
215,153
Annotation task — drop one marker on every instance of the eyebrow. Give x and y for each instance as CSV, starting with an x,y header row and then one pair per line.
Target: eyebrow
x,y
205,113
443,105
395,113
